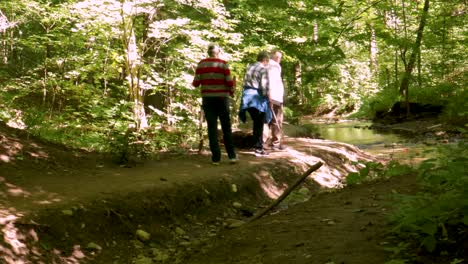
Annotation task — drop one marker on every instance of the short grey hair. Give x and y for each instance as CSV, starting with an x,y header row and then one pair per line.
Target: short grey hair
x,y
274,54
213,49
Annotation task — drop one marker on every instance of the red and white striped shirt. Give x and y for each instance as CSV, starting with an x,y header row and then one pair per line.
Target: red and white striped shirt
x,y
214,77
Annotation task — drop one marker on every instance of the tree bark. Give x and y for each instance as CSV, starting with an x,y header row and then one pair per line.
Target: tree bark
x,y
132,69
416,49
373,49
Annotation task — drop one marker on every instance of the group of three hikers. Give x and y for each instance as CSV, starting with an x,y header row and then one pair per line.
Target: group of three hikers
x,y
262,98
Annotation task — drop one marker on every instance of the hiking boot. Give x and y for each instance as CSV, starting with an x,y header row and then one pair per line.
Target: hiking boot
x,y
215,163
233,160
261,153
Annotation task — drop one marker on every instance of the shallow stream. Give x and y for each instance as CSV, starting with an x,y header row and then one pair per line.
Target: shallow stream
x,y
382,143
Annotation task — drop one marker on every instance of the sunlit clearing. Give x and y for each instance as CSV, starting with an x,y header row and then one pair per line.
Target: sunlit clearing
x,y
268,184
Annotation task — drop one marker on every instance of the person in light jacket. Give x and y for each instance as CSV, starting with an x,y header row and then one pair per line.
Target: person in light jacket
x,y
274,139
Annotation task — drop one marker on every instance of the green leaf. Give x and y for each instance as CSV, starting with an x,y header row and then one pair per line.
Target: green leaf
x,y
429,228
429,243
465,219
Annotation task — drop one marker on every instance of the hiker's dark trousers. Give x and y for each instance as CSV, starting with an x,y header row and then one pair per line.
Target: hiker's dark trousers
x,y
258,120
214,108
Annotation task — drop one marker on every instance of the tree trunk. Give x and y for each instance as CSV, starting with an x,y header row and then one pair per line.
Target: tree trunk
x,y
298,82
132,69
373,49
416,49
4,25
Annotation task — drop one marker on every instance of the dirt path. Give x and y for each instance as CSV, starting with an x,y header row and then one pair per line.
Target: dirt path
x,y
348,226
61,206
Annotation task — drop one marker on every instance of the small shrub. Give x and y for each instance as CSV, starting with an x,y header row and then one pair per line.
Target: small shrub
x,y
437,217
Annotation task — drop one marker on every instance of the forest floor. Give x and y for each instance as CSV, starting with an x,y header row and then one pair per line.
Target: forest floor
x,y
59,205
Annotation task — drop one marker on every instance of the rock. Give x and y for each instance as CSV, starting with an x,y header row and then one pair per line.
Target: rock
x,y
185,243
142,235
180,231
159,255
67,212
237,205
233,223
93,246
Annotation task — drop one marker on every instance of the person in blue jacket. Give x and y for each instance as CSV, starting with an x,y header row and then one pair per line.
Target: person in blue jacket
x,y
256,99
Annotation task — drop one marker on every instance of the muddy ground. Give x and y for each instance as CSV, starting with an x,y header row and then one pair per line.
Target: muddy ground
x,y
59,205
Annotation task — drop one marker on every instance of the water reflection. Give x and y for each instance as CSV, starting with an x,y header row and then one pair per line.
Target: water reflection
x,y
354,132
380,143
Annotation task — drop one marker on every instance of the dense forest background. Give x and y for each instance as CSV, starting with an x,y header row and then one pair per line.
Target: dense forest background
x,y
100,74
115,76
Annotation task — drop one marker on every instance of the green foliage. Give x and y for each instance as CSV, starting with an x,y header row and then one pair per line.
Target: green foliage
x,y
290,115
396,261
64,63
435,217
456,111
380,103
375,170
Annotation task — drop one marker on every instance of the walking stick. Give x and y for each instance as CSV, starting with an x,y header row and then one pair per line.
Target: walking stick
x,y
274,117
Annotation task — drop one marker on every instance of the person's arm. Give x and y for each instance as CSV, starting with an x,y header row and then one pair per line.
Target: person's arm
x,y
228,80
197,78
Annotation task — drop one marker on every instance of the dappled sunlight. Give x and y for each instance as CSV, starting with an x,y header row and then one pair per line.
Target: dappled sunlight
x,y
50,201
16,191
339,159
37,196
12,248
325,176
11,149
17,120
8,189
4,158
20,241
18,246
269,185
351,152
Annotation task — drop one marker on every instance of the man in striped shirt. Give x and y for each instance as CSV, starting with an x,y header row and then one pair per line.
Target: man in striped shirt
x,y
256,99
214,77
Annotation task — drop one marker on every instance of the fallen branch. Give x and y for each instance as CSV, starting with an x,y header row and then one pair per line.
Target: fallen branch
x,y
313,168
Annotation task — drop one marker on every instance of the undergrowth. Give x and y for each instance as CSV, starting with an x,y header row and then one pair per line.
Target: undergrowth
x,y
433,224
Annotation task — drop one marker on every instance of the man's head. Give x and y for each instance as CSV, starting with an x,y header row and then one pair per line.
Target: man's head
x,y
213,50
276,55
263,57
